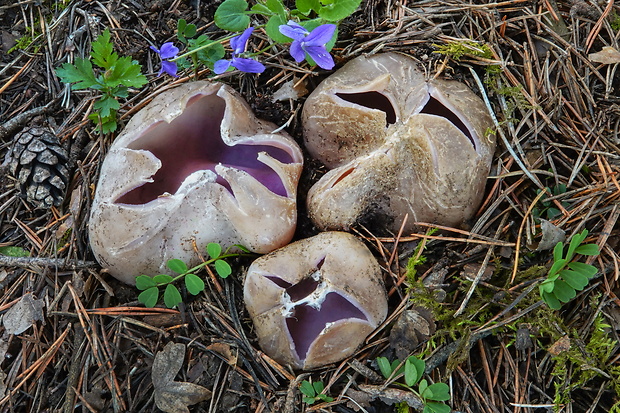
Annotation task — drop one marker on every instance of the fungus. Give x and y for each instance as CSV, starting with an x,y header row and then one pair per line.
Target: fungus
x,y
315,301
192,167
397,144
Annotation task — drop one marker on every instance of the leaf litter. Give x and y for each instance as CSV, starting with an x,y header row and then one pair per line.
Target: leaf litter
x,y
551,81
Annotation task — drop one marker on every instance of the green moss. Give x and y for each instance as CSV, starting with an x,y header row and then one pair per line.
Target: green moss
x,y
614,21
458,48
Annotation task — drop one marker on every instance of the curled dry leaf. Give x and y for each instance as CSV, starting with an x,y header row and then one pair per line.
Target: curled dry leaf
x,y
173,396
413,327
607,56
23,315
551,235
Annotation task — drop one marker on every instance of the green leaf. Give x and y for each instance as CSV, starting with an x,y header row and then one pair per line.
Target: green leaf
x,y
563,291
551,301
177,266
80,73
325,398
125,72
102,51
211,53
338,10
419,364
185,30
438,391
575,241
107,106
435,407
422,387
262,9
583,268
195,285
108,125
307,6
144,281
307,388
309,400
318,386
11,251
172,296
242,248
547,285
272,28
588,249
163,279
231,15
384,366
558,250
575,279
222,268
149,297
411,373
214,250
557,266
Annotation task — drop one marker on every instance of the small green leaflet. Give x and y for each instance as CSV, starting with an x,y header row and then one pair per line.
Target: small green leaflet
x,y
222,268
194,284
434,407
102,53
231,15
144,281
106,106
80,74
214,250
338,10
172,296
177,266
149,297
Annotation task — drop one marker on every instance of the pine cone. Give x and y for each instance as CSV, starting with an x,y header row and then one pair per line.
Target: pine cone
x,y
39,164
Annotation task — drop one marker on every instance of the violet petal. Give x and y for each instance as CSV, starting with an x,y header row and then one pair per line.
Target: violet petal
x,y
320,56
297,52
293,30
321,35
221,66
248,65
168,50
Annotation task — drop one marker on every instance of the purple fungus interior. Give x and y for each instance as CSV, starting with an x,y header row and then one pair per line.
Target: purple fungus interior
x,y
296,292
192,142
306,322
372,100
435,107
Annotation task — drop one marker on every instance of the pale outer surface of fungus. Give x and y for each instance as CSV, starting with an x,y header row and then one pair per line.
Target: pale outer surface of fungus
x,y
194,165
315,301
397,145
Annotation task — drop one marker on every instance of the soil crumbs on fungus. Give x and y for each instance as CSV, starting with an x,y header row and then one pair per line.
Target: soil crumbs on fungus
x,y
75,339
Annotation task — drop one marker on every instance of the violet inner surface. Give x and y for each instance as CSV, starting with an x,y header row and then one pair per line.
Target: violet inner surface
x,y
192,142
307,322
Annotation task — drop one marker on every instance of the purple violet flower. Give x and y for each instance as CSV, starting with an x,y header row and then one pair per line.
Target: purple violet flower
x,y
239,45
311,43
167,51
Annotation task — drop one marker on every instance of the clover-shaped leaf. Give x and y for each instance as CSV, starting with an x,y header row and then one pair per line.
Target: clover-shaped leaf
x,y
173,396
